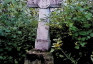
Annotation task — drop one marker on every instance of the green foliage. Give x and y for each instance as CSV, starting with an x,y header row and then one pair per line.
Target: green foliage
x,y
66,56
17,31
56,45
91,57
74,19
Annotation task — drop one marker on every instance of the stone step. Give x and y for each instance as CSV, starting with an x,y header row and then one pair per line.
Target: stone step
x,y
39,57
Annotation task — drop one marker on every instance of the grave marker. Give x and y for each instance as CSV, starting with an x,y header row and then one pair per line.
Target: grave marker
x,y
43,40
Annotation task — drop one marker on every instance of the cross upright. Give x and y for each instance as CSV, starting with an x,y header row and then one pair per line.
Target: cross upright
x,y
43,39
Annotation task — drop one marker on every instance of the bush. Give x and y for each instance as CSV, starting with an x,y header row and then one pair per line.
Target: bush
x,y
17,31
73,24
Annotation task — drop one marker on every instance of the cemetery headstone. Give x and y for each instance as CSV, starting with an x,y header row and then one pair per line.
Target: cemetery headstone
x,y
42,42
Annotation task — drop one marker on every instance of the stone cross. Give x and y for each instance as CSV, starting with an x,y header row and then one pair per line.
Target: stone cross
x,y
43,40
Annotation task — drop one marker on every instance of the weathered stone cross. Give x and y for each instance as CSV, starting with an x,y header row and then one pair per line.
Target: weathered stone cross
x,y
43,40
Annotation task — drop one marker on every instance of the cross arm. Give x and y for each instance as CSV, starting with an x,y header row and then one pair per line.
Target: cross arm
x,y
53,3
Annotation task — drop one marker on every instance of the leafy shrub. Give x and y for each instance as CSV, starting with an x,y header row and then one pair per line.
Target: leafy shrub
x,y
75,19
17,31
73,23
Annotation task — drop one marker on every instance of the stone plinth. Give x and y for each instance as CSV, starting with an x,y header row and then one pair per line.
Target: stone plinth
x,y
38,57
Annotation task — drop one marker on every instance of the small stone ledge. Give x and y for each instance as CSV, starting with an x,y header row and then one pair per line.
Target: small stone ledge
x,y
39,57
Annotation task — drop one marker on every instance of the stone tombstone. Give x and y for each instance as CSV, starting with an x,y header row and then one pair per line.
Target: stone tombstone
x,y
43,39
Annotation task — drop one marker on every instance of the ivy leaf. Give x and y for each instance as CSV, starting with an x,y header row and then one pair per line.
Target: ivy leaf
x,y
9,49
83,44
19,32
79,38
1,57
81,9
77,47
73,28
76,34
88,37
83,33
1,33
7,30
89,31
87,25
89,16
70,24
52,50
61,56
91,34
14,36
18,48
83,39
14,28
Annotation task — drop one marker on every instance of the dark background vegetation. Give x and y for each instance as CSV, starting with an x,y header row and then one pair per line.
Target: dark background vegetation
x,y
71,32
72,27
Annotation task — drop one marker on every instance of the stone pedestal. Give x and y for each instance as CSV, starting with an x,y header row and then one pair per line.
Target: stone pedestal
x,y
38,57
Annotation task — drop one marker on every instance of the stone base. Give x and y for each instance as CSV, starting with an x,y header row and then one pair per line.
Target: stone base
x,y
38,57
41,44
